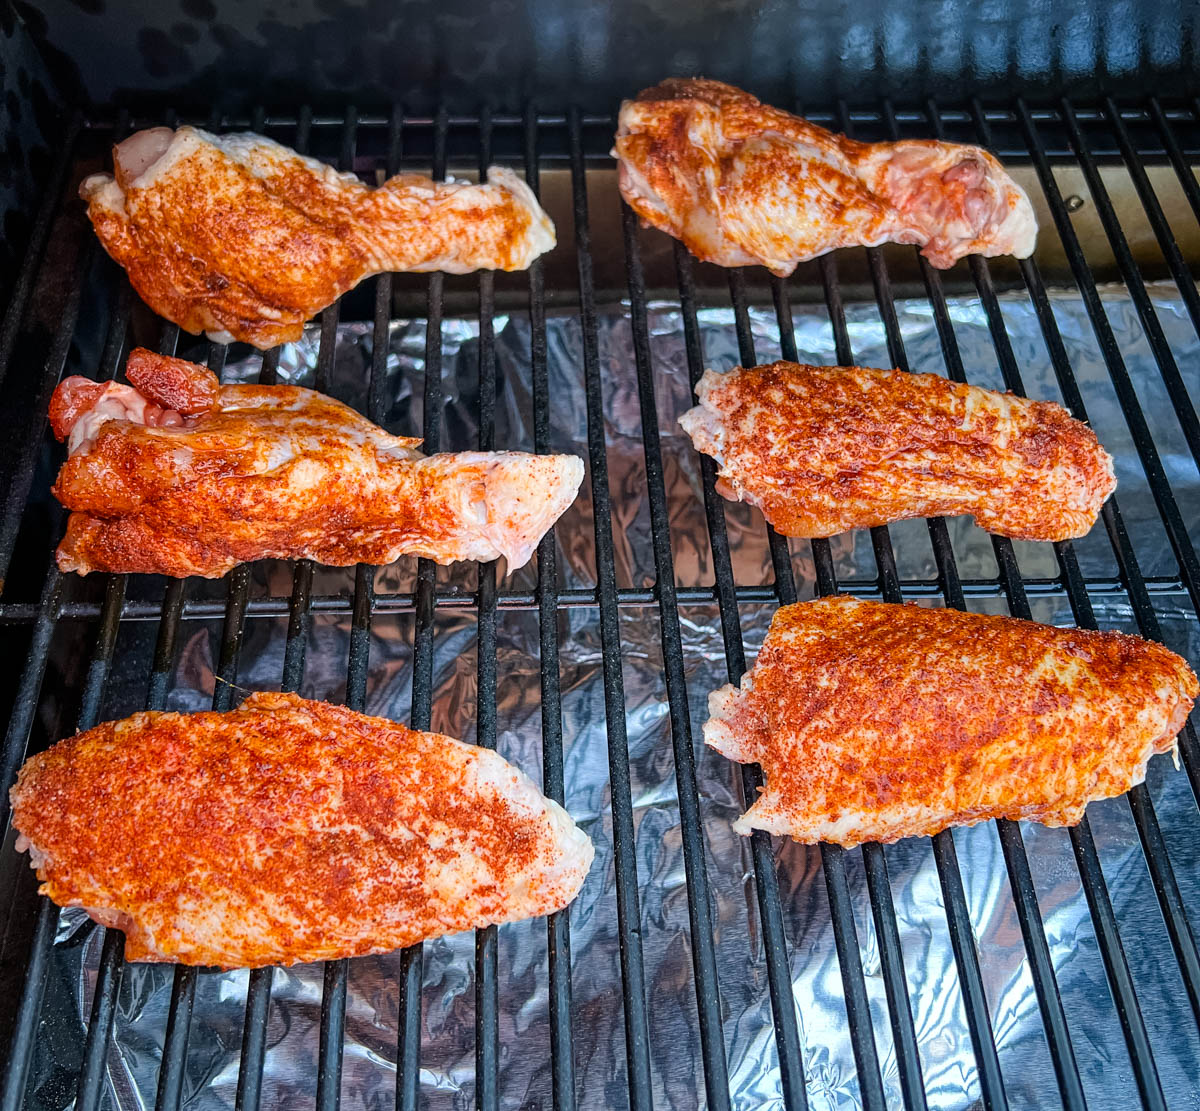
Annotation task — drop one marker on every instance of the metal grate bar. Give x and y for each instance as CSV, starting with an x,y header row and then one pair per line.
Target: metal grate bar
x,y
1115,964
26,1026
103,1001
1135,584
766,878
1145,818
878,887
411,964
16,737
1092,877
700,919
30,438
558,933
558,120
1012,844
455,598
261,980
1143,441
335,975
487,1000
108,981
841,907
1176,388
173,597
1095,888
957,914
111,969
1182,170
958,919
637,1035
883,911
1133,580
112,964
169,1096
1154,213
254,1039
1155,850
112,954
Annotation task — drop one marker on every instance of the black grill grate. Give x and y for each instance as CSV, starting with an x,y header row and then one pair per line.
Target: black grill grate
x,y
578,143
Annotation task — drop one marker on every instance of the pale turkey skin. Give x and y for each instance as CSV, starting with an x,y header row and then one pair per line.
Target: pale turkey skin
x,y
874,722
743,184
287,831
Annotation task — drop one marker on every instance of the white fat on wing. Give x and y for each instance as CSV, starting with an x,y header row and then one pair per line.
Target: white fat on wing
x,y
523,496
705,423
118,402
1001,214
502,503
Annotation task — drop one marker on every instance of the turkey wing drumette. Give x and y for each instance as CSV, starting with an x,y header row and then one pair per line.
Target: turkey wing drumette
x,y
183,476
742,183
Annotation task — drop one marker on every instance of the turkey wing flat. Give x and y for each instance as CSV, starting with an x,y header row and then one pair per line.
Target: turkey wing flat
x,y
242,238
742,183
289,830
874,722
821,450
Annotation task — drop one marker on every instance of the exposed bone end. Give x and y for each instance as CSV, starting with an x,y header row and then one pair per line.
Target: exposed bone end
x,y
134,156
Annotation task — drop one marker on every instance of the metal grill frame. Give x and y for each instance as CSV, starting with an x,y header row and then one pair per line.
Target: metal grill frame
x,y
524,135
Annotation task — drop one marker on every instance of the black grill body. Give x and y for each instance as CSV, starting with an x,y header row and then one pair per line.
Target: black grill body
x,y
85,647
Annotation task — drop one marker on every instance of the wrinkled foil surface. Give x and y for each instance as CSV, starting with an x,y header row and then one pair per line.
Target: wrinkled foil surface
x,y
447,1037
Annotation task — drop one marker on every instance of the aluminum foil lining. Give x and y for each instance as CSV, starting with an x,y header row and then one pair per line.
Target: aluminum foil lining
x,y
447,1036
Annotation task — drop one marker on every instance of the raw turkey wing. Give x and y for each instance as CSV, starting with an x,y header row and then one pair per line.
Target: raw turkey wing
x,y
742,183
242,238
874,722
287,831
821,450
239,473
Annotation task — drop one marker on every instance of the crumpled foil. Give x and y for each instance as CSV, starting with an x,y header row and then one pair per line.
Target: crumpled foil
x,y
447,1037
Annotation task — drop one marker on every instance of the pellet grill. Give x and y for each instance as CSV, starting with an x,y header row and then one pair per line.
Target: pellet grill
x,y
1005,966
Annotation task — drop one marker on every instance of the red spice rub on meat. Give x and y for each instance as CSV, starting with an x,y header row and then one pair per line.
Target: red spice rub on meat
x,y
740,182
183,476
874,722
825,449
242,238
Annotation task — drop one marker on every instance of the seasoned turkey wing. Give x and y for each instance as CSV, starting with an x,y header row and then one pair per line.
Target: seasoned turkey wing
x,y
821,450
242,238
287,831
874,722
742,183
183,476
